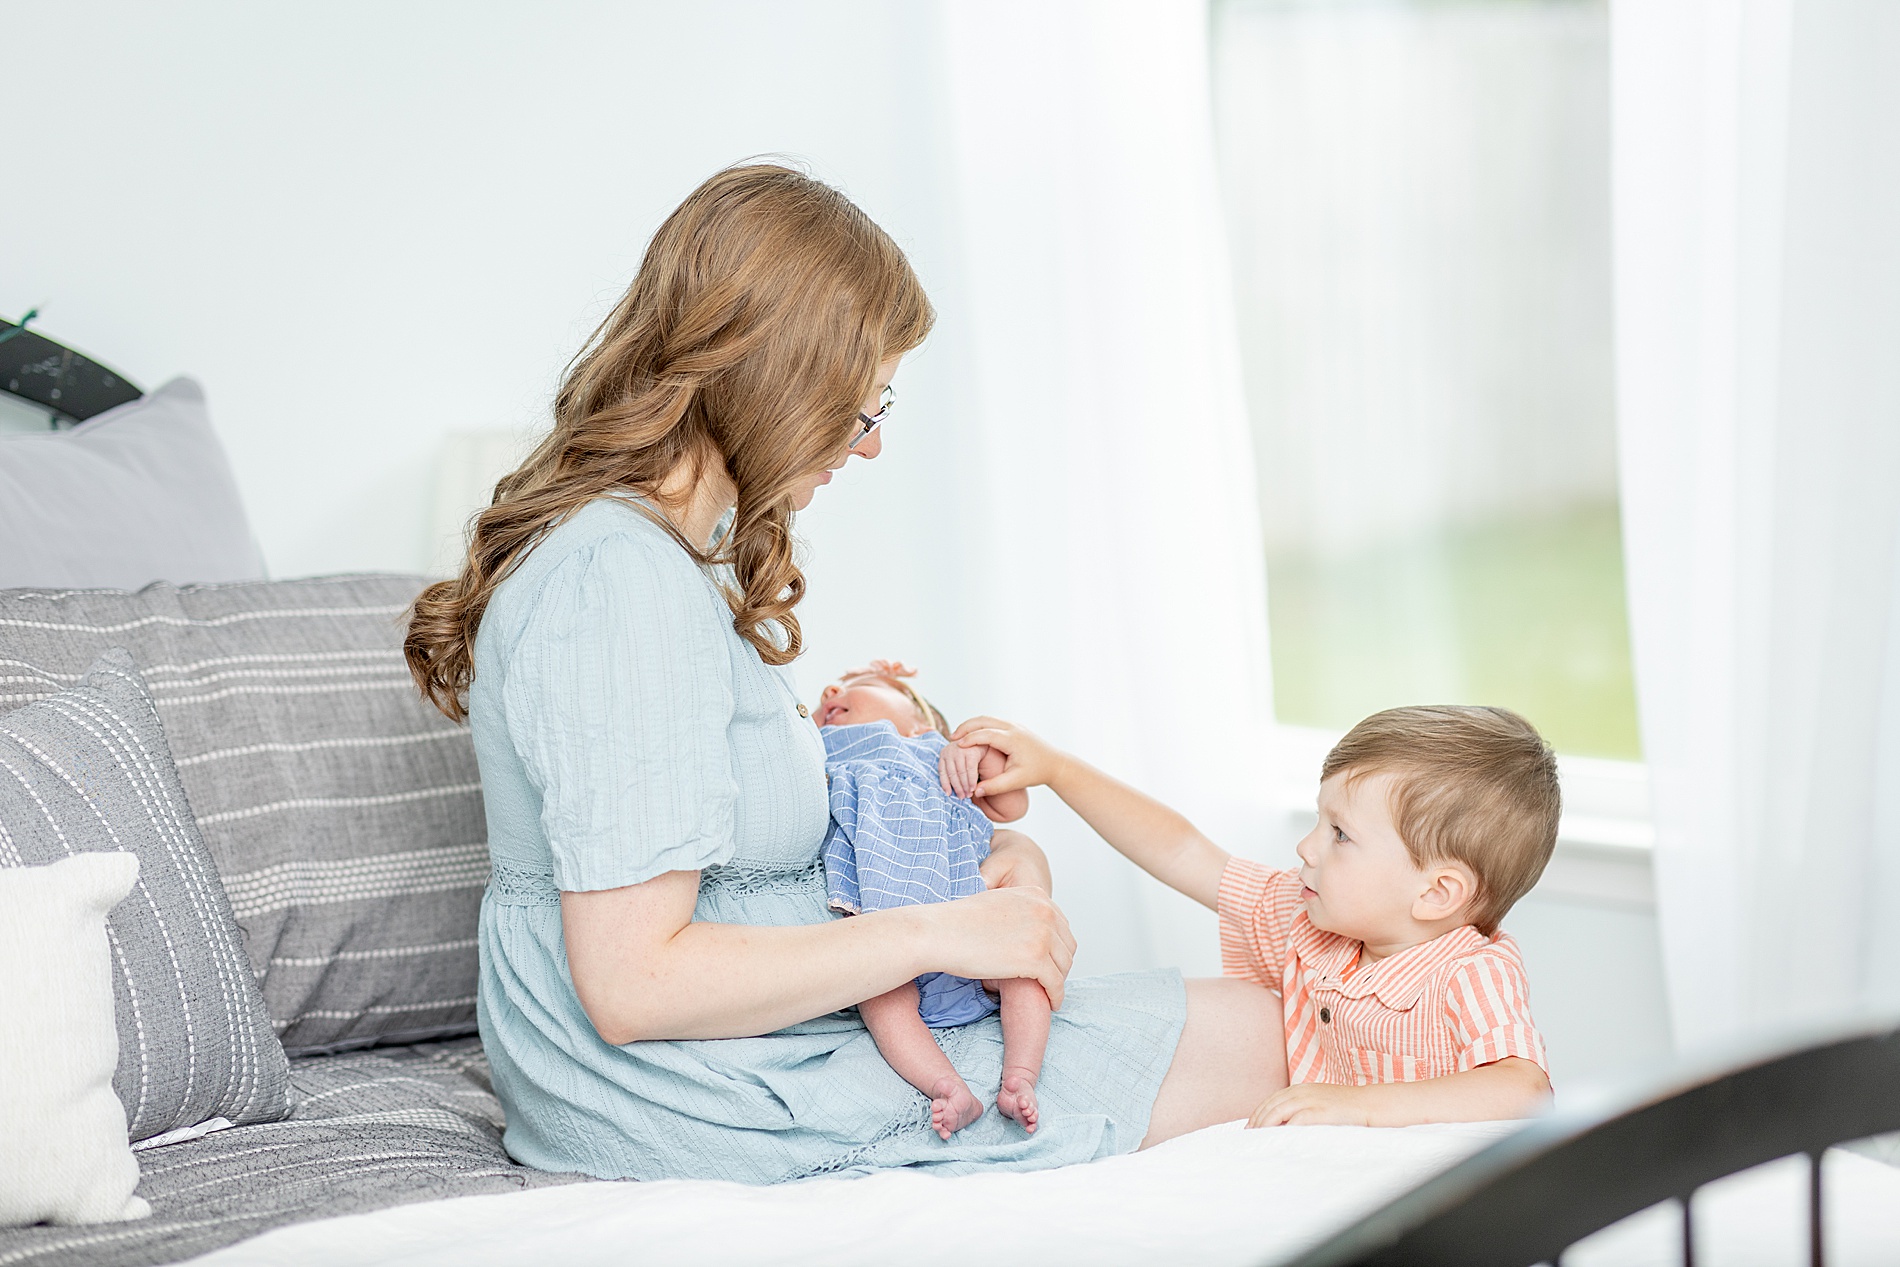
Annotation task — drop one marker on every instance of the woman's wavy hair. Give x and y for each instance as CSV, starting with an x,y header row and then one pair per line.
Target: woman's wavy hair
x,y
750,337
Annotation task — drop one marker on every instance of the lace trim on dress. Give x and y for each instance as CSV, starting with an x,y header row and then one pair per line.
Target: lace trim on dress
x,y
918,1121
953,1041
741,877
514,885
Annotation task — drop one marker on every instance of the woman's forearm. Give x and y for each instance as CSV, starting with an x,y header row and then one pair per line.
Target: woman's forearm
x,y
644,969
1016,861
740,980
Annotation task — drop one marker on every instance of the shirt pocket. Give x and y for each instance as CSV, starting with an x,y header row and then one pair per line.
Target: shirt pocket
x,y
1367,1066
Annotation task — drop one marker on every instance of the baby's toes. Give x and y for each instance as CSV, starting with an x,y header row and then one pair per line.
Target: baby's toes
x,y
1020,1095
952,1107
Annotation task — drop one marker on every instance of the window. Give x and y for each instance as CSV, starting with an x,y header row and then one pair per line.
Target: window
x,y
1418,202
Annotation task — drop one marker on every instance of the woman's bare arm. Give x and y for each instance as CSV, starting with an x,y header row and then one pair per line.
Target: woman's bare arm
x,y
643,969
1016,861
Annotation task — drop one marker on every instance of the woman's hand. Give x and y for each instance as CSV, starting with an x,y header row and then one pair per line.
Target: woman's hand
x,y
995,935
1028,761
1016,862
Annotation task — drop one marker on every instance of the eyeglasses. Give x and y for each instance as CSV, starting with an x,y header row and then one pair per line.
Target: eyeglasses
x,y
872,422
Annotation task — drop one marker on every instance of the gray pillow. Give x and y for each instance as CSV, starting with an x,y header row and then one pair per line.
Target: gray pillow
x,y
88,770
344,814
140,493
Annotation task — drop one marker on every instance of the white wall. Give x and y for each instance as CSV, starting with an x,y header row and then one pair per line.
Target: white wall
x,y
365,226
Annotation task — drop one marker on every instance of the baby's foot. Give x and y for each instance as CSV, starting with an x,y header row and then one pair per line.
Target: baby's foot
x,y
1017,1099
952,1107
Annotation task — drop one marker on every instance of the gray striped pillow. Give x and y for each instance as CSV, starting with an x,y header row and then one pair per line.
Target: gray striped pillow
x,y
88,770
344,813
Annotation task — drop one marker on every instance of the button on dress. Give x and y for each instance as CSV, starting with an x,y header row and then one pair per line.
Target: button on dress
x,y
625,730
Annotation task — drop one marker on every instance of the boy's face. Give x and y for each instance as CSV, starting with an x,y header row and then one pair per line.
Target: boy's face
x,y
1360,879
867,697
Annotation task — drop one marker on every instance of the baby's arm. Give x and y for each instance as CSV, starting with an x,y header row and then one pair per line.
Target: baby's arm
x,y
1508,1088
1152,836
1000,807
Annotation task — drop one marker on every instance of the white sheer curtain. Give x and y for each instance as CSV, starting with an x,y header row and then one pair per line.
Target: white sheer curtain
x,y
1119,535
1756,178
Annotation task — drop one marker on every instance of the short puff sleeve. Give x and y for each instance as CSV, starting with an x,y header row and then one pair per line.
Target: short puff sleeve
x,y
1488,1009
618,695
1257,906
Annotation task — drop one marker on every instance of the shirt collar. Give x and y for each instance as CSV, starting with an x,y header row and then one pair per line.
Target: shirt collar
x,y
1397,981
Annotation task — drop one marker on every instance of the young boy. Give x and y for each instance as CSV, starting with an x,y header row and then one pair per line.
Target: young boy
x,y
1401,1001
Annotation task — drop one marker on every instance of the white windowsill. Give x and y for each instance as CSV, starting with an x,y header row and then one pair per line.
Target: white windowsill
x,y
1605,842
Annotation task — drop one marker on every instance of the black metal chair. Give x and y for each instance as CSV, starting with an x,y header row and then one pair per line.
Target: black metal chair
x,y
1529,1197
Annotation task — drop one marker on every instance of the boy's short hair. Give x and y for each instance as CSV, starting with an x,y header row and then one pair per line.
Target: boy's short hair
x,y
1474,785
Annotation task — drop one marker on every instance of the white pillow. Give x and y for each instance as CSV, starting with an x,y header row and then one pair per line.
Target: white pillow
x,y
138,494
63,1151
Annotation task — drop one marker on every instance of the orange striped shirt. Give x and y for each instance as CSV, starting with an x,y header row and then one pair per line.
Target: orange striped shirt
x,y
1453,1003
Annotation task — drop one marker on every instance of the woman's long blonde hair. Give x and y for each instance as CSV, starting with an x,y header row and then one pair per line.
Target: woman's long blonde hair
x,y
751,336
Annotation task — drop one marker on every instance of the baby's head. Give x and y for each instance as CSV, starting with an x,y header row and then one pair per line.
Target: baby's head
x,y
880,693
1429,818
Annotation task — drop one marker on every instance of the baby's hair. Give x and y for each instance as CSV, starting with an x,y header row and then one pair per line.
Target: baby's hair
x,y
1474,785
925,709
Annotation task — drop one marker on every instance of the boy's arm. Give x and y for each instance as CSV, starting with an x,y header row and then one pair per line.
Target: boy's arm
x,y
1152,836
1509,1088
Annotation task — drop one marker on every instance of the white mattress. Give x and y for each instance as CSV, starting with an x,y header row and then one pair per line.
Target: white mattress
x,y
1222,1195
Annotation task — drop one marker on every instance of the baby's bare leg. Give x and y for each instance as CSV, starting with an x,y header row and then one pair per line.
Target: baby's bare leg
x,y
905,1043
1025,1038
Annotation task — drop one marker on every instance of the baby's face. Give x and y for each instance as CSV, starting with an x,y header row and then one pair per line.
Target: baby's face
x,y
867,697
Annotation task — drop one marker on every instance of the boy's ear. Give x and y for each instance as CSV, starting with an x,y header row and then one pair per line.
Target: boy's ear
x,y
1450,889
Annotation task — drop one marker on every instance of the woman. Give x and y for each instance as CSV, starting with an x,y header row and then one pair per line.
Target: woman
x,y
664,993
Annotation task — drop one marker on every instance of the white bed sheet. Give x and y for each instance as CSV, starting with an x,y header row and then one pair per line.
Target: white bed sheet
x,y
1219,1196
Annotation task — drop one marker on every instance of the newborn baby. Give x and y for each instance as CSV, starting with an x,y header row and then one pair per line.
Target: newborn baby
x,y
905,831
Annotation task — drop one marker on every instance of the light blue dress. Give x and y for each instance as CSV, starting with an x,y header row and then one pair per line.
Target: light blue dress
x,y
624,730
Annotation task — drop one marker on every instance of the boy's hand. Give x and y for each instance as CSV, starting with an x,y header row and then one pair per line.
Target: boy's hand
x,y
1313,1104
1028,761
957,768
